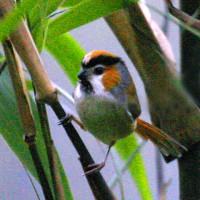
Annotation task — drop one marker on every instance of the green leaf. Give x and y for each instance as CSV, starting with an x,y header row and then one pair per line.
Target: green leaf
x,y
39,33
125,148
29,85
82,13
11,130
38,23
68,54
33,16
12,20
2,58
53,5
71,3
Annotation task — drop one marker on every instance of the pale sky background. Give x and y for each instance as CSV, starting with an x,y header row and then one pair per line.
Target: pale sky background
x,y
14,182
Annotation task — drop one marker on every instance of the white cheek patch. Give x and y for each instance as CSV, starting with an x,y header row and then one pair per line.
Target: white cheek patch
x,y
78,93
98,88
96,82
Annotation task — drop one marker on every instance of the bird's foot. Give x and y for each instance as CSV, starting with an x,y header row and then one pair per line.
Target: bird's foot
x,y
94,168
68,118
65,120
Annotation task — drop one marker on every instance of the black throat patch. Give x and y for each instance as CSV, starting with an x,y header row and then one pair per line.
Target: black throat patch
x,y
86,87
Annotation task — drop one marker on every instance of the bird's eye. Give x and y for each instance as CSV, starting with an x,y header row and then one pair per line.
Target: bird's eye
x,y
99,70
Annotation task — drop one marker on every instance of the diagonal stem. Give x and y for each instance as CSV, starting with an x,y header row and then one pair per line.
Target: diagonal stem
x,y
96,181
190,66
183,17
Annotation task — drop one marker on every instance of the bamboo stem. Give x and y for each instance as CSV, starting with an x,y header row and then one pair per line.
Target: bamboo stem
x,y
190,66
27,120
20,88
170,107
53,161
40,170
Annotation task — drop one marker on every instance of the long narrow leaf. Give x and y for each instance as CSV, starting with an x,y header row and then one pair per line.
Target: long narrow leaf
x,y
125,148
13,19
53,5
68,53
71,3
38,21
11,130
82,13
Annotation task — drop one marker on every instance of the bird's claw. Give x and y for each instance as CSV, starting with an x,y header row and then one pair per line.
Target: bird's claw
x,y
68,118
65,120
94,168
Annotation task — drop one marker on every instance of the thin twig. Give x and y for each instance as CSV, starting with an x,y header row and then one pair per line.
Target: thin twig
x,y
118,175
25,112
174,19
114,179
159,172
64,93
36,192
165,24
187,19
40,170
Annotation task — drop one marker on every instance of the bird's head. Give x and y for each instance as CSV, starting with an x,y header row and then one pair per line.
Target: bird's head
x,y
99,71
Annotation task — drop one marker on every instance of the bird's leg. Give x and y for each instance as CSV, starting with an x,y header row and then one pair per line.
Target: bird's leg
x,y
68,118
98,166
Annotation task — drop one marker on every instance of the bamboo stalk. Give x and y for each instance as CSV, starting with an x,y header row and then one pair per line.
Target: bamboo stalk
x,y
190,67
170,107
27,120
40,170
53,161
20,88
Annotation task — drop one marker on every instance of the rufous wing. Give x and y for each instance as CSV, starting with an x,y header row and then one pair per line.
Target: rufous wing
x,y
166,144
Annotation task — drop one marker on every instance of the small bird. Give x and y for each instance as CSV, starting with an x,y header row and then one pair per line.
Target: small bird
x,y
108,106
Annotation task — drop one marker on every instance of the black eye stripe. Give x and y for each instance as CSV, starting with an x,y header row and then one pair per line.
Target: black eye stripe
x,y
103,60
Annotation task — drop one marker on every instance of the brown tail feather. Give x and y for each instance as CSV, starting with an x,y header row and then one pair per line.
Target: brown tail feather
x,y
166,144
